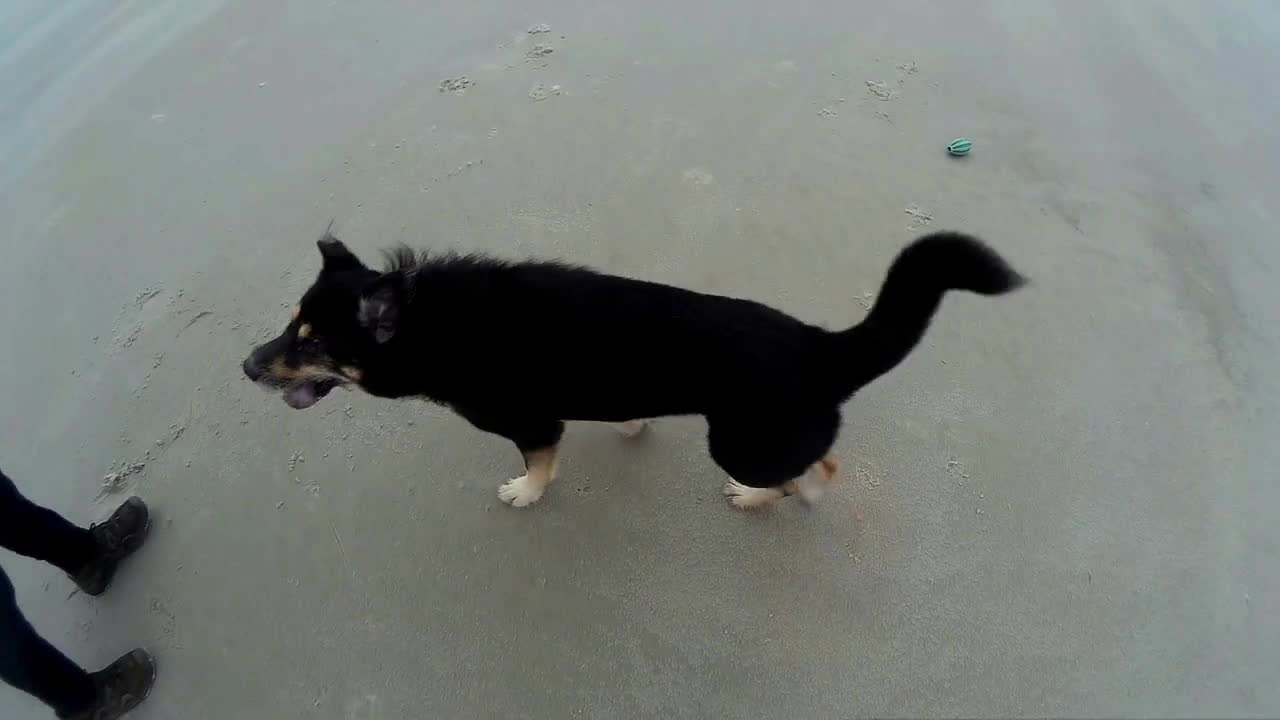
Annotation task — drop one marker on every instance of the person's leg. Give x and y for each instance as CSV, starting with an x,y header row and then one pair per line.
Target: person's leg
x,y
28,529
32,665
89,556
27,661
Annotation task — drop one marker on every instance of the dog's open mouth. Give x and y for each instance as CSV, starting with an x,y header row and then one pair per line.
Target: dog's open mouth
x,y
308,393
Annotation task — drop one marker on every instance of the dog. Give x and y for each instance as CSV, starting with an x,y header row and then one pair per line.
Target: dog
x,y
518,348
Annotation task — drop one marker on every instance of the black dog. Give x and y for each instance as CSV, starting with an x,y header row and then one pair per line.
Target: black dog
x,y
517,348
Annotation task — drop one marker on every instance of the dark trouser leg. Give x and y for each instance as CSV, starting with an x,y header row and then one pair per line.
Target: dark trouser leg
x,y
28,529
34,666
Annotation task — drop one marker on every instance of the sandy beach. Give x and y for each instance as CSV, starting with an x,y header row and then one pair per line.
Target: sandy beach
x,y
1062,504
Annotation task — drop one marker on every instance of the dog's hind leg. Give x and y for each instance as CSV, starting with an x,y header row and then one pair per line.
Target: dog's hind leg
x,y
745,497
537,440
770,457
630,428
811,485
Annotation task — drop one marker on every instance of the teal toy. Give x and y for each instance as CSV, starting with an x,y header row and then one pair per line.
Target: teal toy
x,y
960,146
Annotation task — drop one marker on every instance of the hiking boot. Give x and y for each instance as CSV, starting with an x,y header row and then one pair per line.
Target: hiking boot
x,y
120,686
116,538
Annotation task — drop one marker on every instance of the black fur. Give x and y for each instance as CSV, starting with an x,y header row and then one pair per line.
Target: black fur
x,y
519,347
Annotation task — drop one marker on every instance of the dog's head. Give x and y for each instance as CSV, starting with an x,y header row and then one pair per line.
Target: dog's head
x,y
336,331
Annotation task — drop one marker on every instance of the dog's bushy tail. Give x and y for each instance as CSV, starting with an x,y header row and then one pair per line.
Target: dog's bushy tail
x,y
912,291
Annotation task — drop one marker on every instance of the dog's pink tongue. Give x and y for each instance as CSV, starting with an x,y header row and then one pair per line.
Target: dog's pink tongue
x,y
301,396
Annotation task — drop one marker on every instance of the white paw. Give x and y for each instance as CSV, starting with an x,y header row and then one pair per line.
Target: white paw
x,y
630,428
750,498
520,492
809,487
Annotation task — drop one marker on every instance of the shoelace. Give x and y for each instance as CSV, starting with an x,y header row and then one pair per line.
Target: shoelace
x,y
107,536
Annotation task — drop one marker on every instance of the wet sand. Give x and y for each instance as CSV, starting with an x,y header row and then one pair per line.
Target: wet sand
x,y
1061,504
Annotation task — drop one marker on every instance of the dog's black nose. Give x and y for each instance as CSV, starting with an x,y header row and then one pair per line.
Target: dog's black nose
x,y
251,369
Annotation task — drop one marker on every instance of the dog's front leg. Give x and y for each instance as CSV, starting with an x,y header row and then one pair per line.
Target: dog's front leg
x,y
540,470
537,441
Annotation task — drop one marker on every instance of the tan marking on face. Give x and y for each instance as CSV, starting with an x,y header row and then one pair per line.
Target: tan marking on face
x,y
279,370
294,311
304,330
282,372
352,373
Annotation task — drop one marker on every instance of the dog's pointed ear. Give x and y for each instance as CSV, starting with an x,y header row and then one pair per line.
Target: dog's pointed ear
x,y
379,311
336,255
